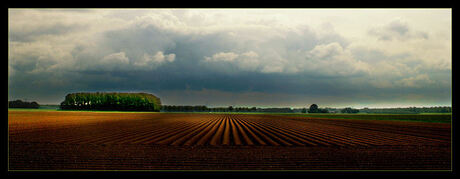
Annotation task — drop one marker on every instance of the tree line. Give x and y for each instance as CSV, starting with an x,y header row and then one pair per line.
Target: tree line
x,y
201,108
148,102
349,110
23,104
315,109
111,101
409,110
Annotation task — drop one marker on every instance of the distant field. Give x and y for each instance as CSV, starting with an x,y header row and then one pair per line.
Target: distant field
x,y
423,117
30,109
430,117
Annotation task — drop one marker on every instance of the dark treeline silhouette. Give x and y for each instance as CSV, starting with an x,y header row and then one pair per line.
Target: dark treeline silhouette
x,y
349,110
168,108
410,110
173,108
276,110
22,104
314,109
111,101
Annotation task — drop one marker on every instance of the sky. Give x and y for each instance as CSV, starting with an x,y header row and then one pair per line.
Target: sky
x,y
239,57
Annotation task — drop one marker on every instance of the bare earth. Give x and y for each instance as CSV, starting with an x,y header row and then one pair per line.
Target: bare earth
x,y
165,141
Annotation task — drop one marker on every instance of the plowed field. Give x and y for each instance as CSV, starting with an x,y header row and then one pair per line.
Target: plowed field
x,y
166,141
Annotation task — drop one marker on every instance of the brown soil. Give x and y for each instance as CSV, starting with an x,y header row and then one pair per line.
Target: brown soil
x,y
165,141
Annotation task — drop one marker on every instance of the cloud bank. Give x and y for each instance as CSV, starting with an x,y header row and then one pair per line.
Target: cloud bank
x,y
299,56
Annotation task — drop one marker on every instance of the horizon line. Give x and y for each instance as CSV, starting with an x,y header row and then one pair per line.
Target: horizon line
x,y
299,107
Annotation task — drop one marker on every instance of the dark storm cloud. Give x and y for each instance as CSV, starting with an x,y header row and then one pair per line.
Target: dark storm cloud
x,y
249,64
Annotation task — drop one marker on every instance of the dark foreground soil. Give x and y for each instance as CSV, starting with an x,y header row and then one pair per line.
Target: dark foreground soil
x,y
47,156
155,141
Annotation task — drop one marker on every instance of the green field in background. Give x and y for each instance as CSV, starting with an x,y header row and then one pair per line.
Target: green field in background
x,y
423,117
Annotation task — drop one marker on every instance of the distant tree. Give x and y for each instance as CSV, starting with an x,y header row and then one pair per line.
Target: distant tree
x,y
34,104
323,111
313,109
230,108
304,110
349,110
22,104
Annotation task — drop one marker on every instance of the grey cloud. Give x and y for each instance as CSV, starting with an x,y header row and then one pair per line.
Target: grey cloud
x,y
137,40
397,29
28,35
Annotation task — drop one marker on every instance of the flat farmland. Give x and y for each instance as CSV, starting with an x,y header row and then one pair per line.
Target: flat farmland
x,y
52,140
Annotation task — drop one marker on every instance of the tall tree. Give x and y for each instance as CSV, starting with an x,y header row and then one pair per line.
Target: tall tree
x,y
313,108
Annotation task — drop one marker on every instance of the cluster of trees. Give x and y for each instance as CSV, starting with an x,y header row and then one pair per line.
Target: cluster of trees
x,y
349,110
111,101
22,104
276,110
303,110
314,109
410,110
